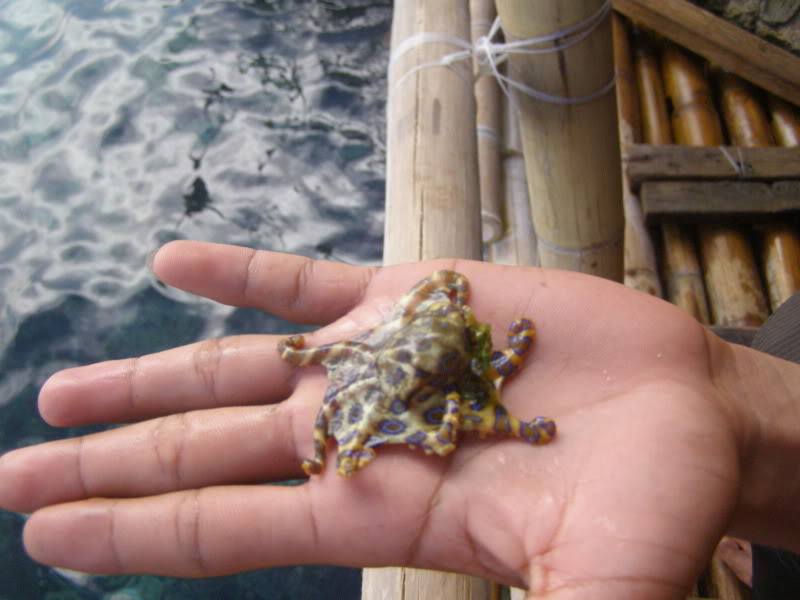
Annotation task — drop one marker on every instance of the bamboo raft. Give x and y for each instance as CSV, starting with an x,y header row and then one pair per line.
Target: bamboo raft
x,y
682,183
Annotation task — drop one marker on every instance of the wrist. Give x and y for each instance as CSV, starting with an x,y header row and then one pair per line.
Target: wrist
x,y
761,395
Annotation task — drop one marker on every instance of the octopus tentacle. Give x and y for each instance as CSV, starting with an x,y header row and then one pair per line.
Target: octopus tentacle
x,y
521,334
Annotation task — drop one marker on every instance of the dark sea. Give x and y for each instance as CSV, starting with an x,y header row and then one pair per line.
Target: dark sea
x,y
126,124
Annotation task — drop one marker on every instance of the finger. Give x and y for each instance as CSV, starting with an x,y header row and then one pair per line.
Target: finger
x,y
183,451
239,370
213,531
296,288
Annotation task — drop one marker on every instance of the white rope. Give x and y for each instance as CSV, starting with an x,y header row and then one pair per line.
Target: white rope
x,y
490,55
742,168
585,250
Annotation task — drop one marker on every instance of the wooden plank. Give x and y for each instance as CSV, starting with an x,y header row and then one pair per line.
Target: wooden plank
x,y
721,42
645,162
729,199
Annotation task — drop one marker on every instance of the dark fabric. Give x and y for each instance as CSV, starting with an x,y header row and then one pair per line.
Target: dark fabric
x,y
776,573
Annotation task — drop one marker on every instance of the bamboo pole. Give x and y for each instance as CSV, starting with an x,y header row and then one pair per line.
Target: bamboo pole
x,y
487,101
641,272
783,250
685,287
432,204
518,245
732,282
571,149
785,120
748,125
721,42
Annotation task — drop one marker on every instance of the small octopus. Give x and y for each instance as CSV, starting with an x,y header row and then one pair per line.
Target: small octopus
x,y
425,373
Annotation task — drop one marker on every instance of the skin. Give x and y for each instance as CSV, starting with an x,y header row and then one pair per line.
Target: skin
x,y
662,443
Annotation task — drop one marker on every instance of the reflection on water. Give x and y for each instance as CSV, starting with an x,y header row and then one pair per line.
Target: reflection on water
x,y
125,125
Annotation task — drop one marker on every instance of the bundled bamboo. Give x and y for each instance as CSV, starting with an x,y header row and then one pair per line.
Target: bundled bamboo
x,y
431,159
518,245
748,125
732,280
487,100
641,271
783,250
785,120
432,204
682,272
571,147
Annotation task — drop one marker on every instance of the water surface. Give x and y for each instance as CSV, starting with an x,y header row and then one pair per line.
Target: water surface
x,y
124,125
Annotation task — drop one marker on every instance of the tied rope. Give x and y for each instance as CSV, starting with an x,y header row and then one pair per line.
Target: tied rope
x,y
742,168
489,55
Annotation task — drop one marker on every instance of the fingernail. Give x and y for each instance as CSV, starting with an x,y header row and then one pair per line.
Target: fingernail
x,y
150,260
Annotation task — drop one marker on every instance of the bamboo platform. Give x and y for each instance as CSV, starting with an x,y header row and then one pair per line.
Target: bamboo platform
x,y
695,168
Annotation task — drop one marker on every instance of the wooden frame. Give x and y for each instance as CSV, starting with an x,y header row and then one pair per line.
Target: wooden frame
x,y
721,42
646,162
693,200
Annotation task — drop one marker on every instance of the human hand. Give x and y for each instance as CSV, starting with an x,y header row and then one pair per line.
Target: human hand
x,y
628,501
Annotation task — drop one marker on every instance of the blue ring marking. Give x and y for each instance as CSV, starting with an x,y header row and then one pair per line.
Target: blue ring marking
x,y
374,395
529,432
417,437
423,343
403,356
397,376
503,366
354,414
392,426
434,415
520,345
520,325
398,407
548,425
336,421
501,420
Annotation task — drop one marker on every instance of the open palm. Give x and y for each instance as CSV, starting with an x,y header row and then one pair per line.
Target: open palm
x,y
627,502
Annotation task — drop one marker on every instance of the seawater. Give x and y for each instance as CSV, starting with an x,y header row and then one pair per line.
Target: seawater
x,y
124,125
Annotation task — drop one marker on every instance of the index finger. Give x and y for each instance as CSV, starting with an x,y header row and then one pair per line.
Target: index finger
x,y
297,288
